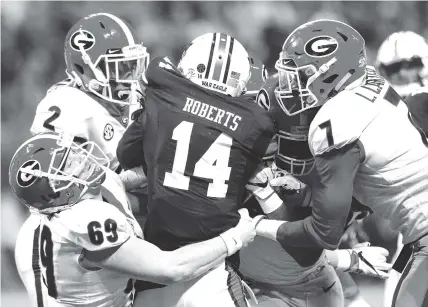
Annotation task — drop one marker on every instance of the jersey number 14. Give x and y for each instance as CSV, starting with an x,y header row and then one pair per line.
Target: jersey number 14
x,y
214,164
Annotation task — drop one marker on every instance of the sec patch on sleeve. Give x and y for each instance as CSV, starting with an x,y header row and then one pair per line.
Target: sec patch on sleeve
x,y
108,132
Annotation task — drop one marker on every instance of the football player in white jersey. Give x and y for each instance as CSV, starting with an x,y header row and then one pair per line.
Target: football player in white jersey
x,y
103,59
89,250
297,276
363,143
403,60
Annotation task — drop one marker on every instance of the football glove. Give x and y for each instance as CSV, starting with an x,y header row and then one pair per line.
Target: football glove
x,y
290,189
259,186
364,259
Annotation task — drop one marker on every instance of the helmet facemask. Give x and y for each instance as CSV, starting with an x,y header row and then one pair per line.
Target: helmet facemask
x,y
73,164
294,155
116,73
293,93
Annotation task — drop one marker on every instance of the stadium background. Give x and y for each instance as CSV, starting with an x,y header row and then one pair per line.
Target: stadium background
x,y
32,36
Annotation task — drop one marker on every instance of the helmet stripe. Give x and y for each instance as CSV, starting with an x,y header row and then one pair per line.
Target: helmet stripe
x,y
124,27
220,56
229,56
210,58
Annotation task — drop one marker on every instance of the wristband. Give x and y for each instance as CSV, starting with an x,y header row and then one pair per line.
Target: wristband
x,y
343,260
271,203
258,219
233,244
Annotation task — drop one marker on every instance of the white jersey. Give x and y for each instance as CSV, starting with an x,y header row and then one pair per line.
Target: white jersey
x,y
85,115
393,178
58,274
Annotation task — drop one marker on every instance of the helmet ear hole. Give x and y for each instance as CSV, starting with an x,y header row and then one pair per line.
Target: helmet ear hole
x,y
330,79
79,68
345,38
102,25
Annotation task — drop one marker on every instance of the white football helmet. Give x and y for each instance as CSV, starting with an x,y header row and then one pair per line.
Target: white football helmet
x,y
403,60
218,62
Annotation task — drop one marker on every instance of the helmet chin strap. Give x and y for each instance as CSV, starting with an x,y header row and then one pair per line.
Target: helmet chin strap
x,y
87,60
322,70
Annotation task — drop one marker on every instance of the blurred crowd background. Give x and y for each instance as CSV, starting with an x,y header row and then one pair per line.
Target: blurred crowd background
x,y
32,37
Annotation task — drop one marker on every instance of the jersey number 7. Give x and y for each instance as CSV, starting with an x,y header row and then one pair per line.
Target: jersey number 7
x,y
214,164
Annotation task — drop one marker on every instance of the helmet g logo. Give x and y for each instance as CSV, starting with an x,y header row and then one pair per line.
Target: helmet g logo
x,y
82,38
24,179
321,46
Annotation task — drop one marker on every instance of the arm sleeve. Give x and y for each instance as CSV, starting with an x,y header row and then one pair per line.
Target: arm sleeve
x,y
418,107
331,198
93,225
130,148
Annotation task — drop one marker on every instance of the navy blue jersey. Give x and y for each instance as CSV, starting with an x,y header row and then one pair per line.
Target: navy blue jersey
x,y
200,148
418,107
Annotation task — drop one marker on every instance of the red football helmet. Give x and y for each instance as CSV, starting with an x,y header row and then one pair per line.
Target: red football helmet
x,y
50,173
292,153
102,57
259,75
318,60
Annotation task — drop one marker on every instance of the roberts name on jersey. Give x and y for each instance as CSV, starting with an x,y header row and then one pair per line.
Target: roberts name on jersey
x,y
212,113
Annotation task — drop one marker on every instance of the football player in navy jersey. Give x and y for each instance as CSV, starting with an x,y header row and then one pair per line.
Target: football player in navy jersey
x,y
202,143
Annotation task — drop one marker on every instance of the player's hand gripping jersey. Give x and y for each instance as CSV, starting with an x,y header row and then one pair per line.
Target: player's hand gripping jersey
x,y
391,177
85,115
201,148
63,238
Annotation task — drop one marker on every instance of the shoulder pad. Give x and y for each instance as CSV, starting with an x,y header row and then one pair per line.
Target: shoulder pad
x,y
158,69
72,100
93,225
339,122
266,94
66,82
65,108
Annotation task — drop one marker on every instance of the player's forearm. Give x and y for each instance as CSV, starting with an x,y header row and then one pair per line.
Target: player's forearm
x,y
286,233
196,259
142,260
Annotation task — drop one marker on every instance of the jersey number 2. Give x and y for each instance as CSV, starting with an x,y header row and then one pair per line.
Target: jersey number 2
x,y
55,115
214,164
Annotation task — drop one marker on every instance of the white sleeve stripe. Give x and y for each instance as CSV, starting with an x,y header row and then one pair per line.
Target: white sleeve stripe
x,y
124,27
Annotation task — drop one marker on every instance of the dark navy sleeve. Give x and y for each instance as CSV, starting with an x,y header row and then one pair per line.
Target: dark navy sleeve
x,y
159,72
130,148
418,107
331,201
